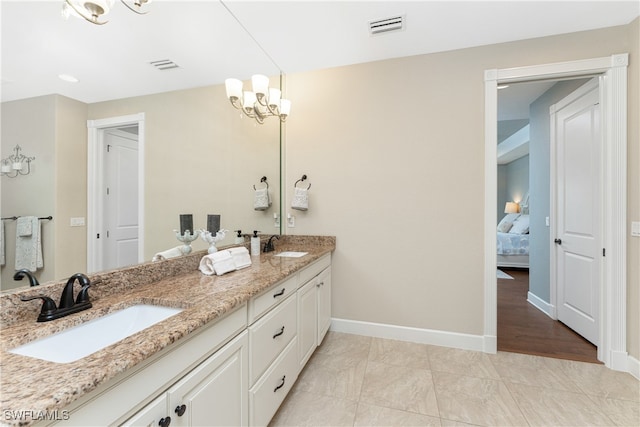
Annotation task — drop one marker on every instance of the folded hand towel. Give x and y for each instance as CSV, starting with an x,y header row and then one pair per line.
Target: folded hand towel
x,y
241,257
169,253
300,199
261,199
222,262
24,226
29,248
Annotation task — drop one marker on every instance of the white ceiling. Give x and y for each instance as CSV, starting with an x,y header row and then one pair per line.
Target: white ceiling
x,y
204,38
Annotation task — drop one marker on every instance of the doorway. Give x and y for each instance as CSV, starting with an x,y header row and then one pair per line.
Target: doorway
x,y
527,147
612,350
115,220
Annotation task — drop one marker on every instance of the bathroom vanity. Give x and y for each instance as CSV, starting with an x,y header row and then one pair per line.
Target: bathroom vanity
x,y
228,358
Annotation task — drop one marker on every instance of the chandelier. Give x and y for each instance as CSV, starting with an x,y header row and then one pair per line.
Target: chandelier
x,y
92,10
260,103
14,164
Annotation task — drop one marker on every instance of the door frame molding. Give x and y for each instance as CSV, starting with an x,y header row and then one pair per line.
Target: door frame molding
x,y
613,329
95,129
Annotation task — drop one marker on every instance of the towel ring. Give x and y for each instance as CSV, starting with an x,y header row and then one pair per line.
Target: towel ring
x,y
263,179
304,177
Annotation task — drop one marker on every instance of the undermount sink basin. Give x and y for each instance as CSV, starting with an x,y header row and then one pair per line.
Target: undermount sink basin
x,y
82,340
292,254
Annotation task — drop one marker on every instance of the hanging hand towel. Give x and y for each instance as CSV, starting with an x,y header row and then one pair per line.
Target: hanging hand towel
x,y
2,260
300,199
29,248
169,253
261,200
241,257
24,228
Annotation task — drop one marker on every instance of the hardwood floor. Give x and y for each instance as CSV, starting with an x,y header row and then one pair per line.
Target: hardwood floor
x,y
522,328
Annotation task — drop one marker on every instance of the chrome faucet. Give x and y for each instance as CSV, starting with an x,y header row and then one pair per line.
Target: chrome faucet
x,y
24,272
268,247
67,306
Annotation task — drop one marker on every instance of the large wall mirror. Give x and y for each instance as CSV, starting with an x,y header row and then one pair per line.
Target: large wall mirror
x,y
197,154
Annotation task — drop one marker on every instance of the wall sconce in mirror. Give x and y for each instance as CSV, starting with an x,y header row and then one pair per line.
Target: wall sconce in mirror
x,y
260,103
92,10
14,165
511,207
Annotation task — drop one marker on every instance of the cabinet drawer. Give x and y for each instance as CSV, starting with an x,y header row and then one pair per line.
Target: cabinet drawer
x,y
314,269
276,294
269,336
269,392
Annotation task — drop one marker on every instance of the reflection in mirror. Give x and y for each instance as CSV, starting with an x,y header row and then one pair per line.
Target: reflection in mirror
x,y
196,154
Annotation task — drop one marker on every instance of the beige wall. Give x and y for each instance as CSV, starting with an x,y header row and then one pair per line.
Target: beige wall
x,y
31,124
395,153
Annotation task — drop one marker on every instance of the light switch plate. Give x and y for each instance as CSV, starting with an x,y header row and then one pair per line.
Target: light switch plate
x,y
77,222
635,228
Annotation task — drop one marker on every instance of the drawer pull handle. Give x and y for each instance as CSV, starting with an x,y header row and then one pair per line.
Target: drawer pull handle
x,y
320,284
164,422
279,333
180,410
278,294
281,384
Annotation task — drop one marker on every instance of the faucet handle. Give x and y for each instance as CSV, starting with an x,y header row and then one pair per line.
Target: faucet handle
x,y
83,295
48,306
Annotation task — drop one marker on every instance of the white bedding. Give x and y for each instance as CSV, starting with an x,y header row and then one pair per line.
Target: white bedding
x,y
513,244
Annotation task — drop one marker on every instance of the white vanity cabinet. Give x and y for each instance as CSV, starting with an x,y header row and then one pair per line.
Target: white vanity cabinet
x,y
323,285
213,394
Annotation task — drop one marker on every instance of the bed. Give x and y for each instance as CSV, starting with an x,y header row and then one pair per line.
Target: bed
x,y
513,241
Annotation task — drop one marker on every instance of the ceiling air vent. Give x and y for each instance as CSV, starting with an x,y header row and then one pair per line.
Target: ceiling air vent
x,y
164,64
395,23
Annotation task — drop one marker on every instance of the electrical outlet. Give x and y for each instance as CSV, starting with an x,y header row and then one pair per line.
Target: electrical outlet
x,y
635,229
546,221
77,222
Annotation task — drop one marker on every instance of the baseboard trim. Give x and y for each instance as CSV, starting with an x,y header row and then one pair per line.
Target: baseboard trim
x,y
540,304
633,367
417,335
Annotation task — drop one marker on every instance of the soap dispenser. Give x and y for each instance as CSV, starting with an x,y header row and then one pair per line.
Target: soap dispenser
x,y
255,244
239,237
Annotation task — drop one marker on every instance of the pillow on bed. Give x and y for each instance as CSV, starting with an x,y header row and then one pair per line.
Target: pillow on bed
x,y
504,226
520,225
511,218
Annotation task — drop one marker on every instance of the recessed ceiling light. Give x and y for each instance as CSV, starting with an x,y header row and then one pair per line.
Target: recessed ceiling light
x,y
68,78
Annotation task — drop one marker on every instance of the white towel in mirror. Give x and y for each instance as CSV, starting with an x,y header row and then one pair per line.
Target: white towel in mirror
x,y
2,259
169,253
29,248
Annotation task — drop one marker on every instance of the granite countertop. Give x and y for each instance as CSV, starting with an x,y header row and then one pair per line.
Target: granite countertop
x,y
28,384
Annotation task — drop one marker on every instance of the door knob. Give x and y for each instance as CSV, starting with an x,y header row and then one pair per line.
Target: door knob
x,y
558,241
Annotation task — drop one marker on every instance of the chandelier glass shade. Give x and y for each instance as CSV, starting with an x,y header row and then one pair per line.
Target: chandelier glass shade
x,y
261,102
93,10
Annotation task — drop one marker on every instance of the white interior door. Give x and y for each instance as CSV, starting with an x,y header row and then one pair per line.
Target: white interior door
x,y
578,208
120,235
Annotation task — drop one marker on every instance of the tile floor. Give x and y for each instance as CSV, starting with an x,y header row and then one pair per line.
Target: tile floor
x,y
353,380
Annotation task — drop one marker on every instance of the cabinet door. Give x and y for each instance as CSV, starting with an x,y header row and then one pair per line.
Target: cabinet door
x,y
215,393
307,321
152,415
324,303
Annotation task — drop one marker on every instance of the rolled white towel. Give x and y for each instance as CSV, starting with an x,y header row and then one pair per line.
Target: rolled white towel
x,y
169,253
206,265
241,257
222,262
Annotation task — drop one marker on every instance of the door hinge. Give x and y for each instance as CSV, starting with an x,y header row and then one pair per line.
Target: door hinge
x,y
603,252
108,148
107,234
98,236
107,191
